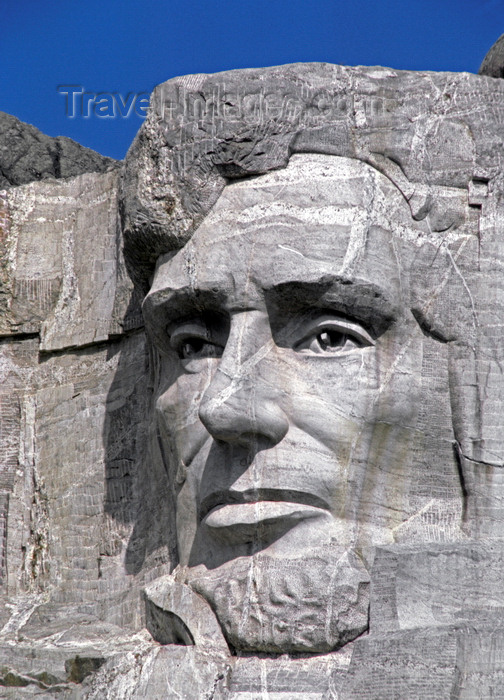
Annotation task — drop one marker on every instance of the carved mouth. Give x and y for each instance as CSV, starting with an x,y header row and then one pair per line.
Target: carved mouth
x,y
254,496
258,516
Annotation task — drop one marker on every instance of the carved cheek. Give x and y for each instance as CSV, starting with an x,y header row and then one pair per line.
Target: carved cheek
x,y
339,401
335,392
399,376
177,410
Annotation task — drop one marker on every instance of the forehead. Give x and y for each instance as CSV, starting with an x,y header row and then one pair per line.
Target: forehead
x,y
320,215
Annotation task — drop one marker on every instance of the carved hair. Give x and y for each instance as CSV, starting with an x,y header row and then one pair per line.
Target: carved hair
x,y
204,130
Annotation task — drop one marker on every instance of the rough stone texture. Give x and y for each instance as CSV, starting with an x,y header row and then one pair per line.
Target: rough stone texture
x,y
72,364
26,154
291,486
493,63
62,262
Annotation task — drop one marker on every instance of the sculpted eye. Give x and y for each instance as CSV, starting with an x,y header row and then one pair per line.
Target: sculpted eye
x,y
196,347
192,341
328,340
331,335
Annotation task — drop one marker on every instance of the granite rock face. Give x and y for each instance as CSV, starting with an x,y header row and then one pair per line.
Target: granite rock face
x,y
493,63
289,485
26,154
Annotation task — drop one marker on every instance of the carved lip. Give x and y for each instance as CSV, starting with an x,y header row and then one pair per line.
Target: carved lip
x,y
249,519
217,500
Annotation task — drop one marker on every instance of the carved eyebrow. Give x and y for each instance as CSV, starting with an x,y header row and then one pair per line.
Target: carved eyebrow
x,y
164,305
355,298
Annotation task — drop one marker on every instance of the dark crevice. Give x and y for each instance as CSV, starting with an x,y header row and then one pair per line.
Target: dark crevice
x,y
56,159
16,337
481,180
460,469
166,627
427,328
493,465
80,667
108,344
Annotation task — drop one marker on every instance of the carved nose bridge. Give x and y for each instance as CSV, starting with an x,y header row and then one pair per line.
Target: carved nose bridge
x,y
242,402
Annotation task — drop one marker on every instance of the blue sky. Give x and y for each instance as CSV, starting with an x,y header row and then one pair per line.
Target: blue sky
x,y
129,46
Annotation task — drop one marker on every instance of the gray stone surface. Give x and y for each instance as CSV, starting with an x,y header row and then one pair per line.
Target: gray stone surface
x,y
290,486
63,275
26,154
493,63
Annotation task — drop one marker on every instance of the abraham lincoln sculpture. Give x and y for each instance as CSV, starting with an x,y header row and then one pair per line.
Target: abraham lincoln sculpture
x,y
284,311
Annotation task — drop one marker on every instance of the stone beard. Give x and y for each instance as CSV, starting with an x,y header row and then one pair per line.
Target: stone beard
x,y
287,399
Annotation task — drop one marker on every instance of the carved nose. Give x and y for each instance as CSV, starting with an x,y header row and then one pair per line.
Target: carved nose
x,y
242,412
242,403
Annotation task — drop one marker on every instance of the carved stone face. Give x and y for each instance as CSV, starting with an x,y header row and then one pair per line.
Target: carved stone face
x,y
289,383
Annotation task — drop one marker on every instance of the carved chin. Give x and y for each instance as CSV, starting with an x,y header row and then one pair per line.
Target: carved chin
x,y
312,604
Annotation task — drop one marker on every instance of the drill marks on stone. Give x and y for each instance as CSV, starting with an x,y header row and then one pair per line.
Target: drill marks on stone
x,y
66,281
9,438
438,521
6,264
40,292
466,287
4,214
4,513
119,487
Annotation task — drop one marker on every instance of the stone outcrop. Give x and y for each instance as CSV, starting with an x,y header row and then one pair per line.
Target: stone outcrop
x,y
26,154
493,63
